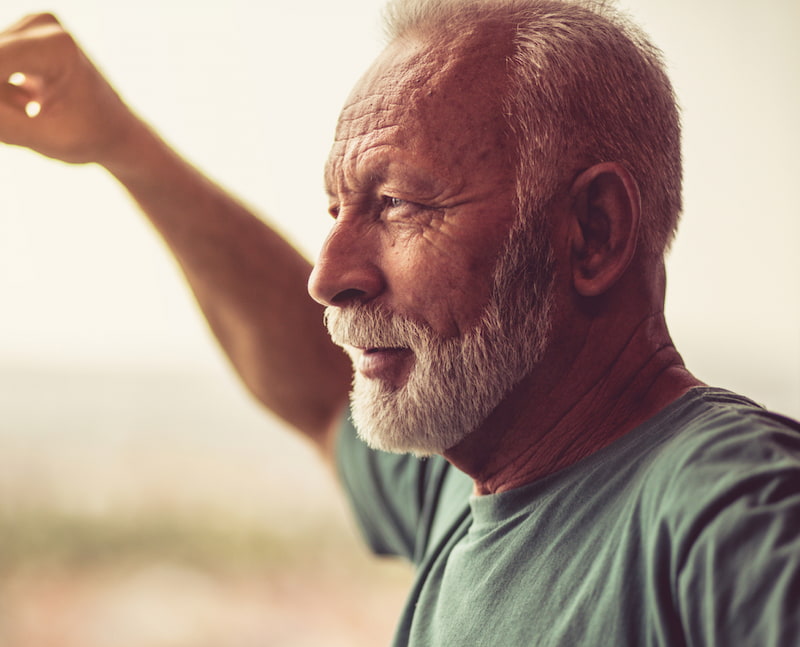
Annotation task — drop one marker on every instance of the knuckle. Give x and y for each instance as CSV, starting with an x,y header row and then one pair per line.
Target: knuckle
x,y
44,18
58,39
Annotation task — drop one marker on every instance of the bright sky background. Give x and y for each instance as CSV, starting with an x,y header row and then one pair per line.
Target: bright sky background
x,y
250,90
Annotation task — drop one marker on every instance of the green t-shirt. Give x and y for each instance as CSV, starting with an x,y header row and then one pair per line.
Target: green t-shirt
x,y
686,531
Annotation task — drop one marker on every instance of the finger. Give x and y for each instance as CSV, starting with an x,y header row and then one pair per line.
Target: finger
x,y
37,53
15,96
25,92
30,83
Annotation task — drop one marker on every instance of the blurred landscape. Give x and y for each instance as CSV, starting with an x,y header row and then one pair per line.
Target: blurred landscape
x,y
155,509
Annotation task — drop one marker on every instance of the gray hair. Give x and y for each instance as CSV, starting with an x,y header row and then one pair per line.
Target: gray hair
x,y
586,86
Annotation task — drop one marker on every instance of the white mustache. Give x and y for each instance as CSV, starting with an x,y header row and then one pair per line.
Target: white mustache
x,y
362,326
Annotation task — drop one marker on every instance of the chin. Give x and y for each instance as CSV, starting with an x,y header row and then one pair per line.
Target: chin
x,y
416,420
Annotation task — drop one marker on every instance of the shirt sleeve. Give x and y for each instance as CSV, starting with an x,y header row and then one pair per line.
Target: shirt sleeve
x,y
738,558
394,497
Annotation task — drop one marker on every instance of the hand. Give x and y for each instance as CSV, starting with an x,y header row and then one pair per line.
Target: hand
x,y
53,99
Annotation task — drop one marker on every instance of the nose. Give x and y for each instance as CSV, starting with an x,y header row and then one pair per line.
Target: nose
x,y
346,270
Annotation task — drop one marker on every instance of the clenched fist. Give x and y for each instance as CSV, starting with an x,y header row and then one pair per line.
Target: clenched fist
x,y
54,100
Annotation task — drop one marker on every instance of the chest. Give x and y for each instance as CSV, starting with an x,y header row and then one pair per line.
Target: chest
x,y
563,577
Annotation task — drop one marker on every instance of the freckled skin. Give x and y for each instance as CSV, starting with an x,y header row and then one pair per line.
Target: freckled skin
x,y
424,127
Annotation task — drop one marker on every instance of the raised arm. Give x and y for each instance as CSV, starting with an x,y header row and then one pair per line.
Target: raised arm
x,y
249,282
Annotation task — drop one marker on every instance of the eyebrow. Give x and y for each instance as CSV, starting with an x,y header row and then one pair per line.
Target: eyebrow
x,y
409,177
327,180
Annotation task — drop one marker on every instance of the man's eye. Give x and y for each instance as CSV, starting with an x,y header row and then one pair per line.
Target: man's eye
x,y
399,210
407,212
334,211
394,202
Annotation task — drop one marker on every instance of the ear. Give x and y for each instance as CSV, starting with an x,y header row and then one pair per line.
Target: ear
x,y
605,223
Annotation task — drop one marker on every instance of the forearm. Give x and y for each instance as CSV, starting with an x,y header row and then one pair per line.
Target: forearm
x,y
249,282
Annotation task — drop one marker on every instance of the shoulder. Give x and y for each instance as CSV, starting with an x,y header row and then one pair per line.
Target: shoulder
x,y
727,473
716,438
728,512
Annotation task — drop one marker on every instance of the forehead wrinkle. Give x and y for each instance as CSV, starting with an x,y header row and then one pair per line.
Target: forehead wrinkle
x,y
355,171
391,88
367,131
363,168
369,118
397,104
374,105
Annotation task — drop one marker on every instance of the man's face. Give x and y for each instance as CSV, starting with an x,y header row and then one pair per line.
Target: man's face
x,y
421,184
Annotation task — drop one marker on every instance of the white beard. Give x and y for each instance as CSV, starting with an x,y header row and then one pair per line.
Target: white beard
x,y
454,383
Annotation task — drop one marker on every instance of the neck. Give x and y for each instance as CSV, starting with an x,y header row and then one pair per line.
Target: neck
x,y
567,410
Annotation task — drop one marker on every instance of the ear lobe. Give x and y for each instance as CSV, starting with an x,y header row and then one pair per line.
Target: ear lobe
x,y
606,211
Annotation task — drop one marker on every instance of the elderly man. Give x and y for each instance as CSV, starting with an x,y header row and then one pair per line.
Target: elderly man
x,y
504,182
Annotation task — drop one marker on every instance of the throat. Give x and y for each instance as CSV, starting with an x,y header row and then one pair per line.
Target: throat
x,y
536,432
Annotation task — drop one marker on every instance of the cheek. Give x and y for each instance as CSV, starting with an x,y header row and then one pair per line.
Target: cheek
x,y
446,288
435,265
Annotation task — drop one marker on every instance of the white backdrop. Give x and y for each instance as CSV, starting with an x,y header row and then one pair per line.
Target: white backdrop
x,y
250,91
